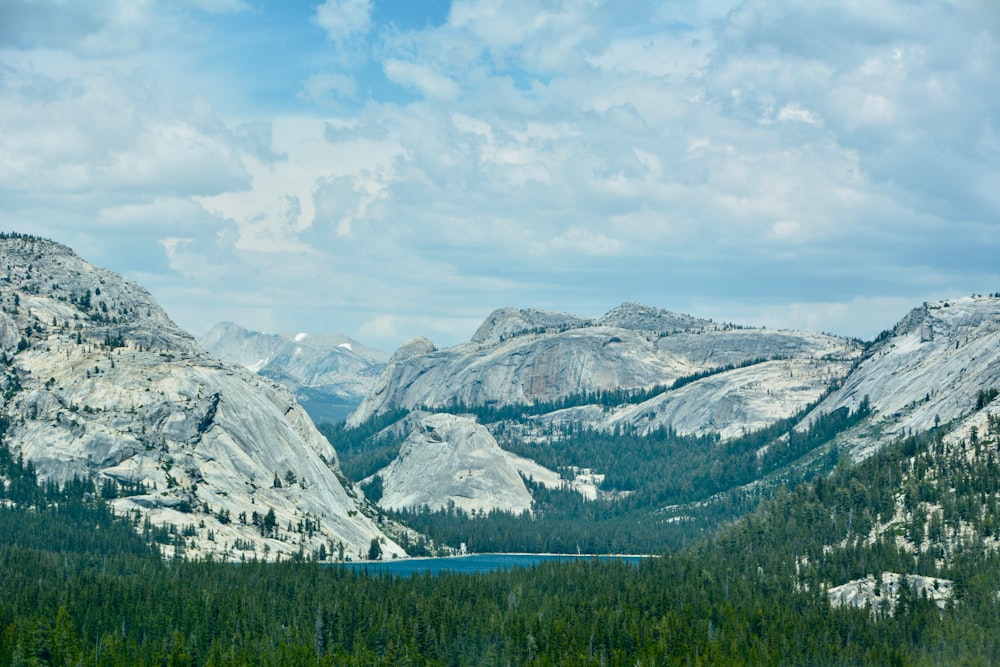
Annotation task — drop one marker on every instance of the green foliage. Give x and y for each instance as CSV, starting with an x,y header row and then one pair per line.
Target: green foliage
x,y
375,550
984,396
703,481
365,450
373,489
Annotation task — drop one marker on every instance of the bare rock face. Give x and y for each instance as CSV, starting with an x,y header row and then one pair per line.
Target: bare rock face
x,y
100,383
930,368
450,460
329,374
506,323
518,357
736,402
646,318
882,594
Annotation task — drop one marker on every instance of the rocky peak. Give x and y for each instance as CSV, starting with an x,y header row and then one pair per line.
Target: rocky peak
x,y
328,373
59,289
412,348
506,323
929,368
640,317
224,333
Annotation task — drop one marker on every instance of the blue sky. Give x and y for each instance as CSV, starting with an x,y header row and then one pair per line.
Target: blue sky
x,y
394,169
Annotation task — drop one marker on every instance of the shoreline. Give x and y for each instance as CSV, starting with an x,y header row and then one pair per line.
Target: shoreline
x,y
520,554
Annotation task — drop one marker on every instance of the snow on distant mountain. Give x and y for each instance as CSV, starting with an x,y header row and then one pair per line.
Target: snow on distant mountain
x,y
329,374
98,382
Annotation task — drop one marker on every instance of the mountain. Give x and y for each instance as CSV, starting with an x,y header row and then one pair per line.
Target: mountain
x,y
99,383
694,421
532,377
521,357
329,374
930,368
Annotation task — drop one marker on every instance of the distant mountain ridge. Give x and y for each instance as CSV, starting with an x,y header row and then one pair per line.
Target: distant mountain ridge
x,y
519,357
328,373
533,375
637,369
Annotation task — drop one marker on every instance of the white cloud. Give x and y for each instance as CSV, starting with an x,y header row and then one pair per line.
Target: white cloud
x,y
794,112
91,29
323,86
344,19
676,55
421,78
59,137
288,197
220,6
562,155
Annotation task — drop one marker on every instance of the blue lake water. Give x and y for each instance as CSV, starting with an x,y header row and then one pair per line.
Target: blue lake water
x,y
469,564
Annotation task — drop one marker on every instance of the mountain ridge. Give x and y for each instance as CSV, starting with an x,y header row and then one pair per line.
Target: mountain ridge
x,y
328,373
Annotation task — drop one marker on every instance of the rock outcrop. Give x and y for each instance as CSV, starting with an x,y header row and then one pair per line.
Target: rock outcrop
x,y
453,461
100,383
882,594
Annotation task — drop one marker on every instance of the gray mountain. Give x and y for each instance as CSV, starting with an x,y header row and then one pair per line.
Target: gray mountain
x,y
938,365
521,357
930,368
329,374
98,382
732,380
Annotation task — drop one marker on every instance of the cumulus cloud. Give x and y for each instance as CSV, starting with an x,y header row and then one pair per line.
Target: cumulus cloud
x,y
421,78
90,29
60,137
795,162
344,19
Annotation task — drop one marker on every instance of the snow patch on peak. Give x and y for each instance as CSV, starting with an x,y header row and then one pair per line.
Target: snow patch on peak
x,y
346,346
259,364
299,337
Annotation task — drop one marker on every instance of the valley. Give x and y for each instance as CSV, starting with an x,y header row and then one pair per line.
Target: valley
x,y
792,485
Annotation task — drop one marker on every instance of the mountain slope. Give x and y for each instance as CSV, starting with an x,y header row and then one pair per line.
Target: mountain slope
x,y
523,357
100,383
329,374
540,380
929,369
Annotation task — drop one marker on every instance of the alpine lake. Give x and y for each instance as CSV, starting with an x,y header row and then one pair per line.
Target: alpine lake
x,y
471,564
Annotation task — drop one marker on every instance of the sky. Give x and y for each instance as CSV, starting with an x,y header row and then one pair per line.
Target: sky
x,y
390,169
